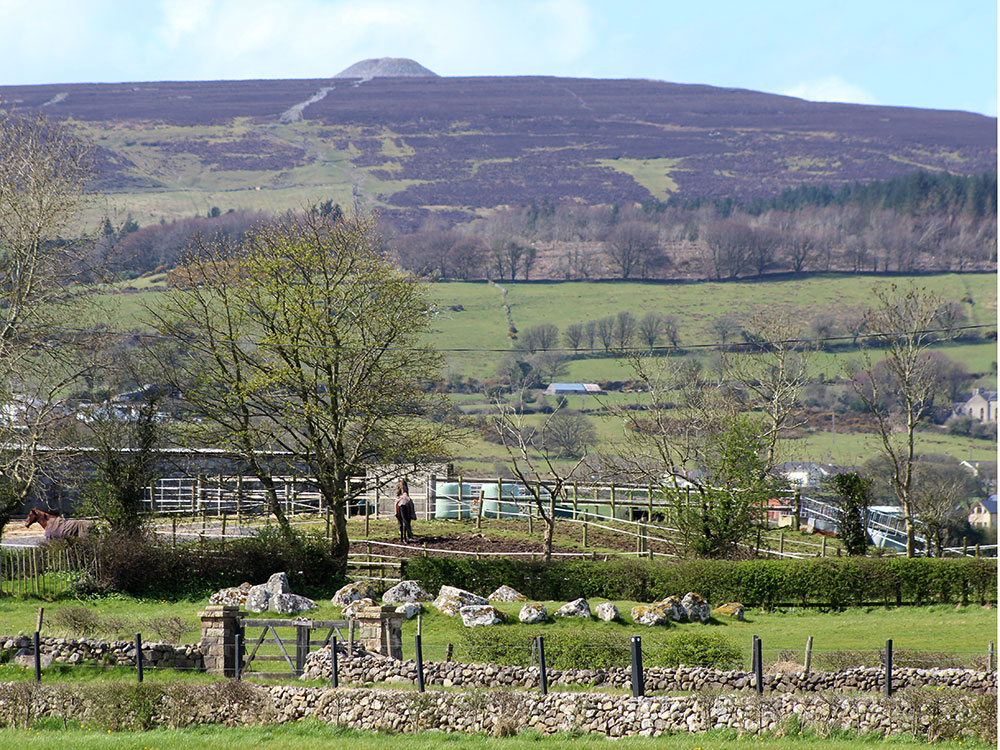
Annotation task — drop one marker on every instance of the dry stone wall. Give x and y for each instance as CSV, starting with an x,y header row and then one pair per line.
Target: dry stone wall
x,y
110,653
925,714
364,667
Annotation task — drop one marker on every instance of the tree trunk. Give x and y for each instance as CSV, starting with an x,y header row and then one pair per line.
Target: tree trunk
x,y
274,505
550,528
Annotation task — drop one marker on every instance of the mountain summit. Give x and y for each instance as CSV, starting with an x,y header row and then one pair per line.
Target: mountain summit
x,y
386,67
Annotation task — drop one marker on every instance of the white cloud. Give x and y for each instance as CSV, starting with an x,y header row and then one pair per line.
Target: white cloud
x,y
830,89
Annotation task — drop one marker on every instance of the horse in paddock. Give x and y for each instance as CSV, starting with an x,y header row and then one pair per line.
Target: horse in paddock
x,y
57,527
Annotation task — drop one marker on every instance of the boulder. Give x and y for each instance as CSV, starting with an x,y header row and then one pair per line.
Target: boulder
x,y
651,614
290,604
258,598
351,610
506,594
25,657
697,609
575,608
450,600
406,591
533,613
353,592
278,584
732,609
235,596
673,608
474,615
409,610
608,612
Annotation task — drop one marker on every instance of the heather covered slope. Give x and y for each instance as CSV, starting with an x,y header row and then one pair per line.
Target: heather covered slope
x,y
473,143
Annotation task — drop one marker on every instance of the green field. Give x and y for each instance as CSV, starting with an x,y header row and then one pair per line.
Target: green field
x,y
313,735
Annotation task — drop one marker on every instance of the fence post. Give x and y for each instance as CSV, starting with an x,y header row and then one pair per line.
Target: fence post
x,y
781,543
585,530
302,633
238,646
965,546
822,549
460,498
797,510
575,499
420,662
989,657
479,512
173,532
809,653
543,680
499,494
365,500
36,641
758,665
350,636
138,656
612,501
334,677
431,499
888,667
638,683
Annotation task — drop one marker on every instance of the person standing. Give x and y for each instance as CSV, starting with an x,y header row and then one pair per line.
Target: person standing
x,y
405,512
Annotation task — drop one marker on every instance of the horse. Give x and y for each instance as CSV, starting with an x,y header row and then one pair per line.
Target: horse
x,y
57,527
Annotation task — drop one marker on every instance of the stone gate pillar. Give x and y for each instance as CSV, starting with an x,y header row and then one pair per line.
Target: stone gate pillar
x,y
219,627
380,630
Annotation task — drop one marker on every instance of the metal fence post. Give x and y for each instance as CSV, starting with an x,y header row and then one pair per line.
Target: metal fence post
x,y
238,645
138,656
38,657
334,677
888,667
638,683
758,665
543,680
420,663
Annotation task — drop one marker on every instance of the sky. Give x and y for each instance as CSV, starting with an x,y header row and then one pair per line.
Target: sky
x,y
918,53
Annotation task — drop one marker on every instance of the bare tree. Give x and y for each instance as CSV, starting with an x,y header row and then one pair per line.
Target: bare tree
x,y
901,324
574,336
624,328
590,333
725,327
533,463
633,247
541,337
651,327
44,172
606,332
569,433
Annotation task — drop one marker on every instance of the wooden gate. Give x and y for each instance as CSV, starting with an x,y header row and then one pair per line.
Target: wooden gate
x,y
289,650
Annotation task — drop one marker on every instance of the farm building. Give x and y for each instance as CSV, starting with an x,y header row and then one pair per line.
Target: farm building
x,y
572,389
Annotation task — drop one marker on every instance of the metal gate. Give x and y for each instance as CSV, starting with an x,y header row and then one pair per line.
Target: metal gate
x,y
289,650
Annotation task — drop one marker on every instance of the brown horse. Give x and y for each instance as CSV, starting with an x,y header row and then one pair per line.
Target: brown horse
x,y
57,527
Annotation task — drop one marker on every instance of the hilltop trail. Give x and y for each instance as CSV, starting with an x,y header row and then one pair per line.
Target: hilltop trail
x,y
294,113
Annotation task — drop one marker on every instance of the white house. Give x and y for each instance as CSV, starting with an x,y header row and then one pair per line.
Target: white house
x,y
980,405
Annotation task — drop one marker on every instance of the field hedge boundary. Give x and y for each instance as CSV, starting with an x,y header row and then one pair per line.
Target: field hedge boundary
x,y
837,583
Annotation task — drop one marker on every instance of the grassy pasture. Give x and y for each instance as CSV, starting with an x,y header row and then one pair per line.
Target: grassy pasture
x,y
313,735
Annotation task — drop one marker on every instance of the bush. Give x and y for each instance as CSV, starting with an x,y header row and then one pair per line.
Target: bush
x,y
695,650
830,582
140,566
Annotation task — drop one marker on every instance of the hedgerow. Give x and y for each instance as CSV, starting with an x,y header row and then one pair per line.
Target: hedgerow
x,y
839,582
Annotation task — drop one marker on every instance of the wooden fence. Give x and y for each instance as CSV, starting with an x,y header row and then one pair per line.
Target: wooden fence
x,y
43,571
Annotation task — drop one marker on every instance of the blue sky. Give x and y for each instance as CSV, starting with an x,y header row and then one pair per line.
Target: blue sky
x,y
917,53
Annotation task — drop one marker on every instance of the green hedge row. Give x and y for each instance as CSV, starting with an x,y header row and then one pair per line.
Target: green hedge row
x,y
836,582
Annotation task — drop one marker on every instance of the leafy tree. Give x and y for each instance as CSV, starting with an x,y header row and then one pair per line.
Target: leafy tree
x,y
855,497
124,446
302,348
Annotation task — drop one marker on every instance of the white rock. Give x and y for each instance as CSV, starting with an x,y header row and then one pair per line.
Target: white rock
x,y
409,610
673,607
353,592
474,615
506,594
258,598
278,584
234,596
607,611
575,608
351,609
652,614
450,600
406,591
697,609
533,613
290,604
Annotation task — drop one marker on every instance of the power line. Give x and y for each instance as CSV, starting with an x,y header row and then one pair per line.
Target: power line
x,y
617,351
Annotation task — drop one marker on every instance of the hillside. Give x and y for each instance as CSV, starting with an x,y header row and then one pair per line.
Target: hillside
x,y
409,144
